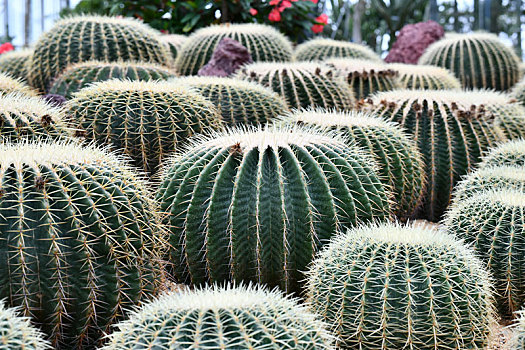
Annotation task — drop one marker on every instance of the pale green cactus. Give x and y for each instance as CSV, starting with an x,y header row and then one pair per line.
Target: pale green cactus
x,y
320,49
425,77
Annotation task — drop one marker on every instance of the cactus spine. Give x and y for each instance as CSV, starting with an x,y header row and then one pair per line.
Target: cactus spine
x,y
517,342
424,77
9,84
14,63
395,287
508,153
17,333
174,42
322,48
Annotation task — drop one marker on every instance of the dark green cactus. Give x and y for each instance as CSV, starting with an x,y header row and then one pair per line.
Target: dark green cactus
x,y
302,84
144,120
256,205
82,74
395,287
222,318
14,63
17,333
452,129
9,84
508,153
478,60
174,42
87,38
322,48
80,240
425,77
264,43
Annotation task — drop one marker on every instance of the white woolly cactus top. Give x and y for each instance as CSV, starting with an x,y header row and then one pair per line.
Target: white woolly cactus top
x,y
229,82
268,67
510,172
512,148
128,85
504,196
120,64
421,69
17,102
175,39
16,332
10,84
359,65
240,28
16,54
324,118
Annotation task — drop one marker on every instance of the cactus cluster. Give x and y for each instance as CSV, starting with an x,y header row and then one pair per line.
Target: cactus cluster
x,y
478,60
395,287
425,77
264,43
174,43
321,49
302,84
257,204
144,120
15,63
508,153
80,75
9,84
17,333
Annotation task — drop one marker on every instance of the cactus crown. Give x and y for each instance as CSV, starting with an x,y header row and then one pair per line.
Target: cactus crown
x,y
174,42
462,99
517,341
9,84
425,77
16,332
361,67
15,63
323,48
508,153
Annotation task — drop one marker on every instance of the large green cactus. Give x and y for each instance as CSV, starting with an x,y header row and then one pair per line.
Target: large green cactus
x,y
9,84
87,38
174,42
399,161
79,239
264,43
425,77
82,74
395,287
322,48
256,205
451,128
15,63
222,318
17,333
479,60
508,153
145,120
239,101
302,84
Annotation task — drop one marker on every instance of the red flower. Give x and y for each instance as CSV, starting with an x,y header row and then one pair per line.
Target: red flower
x,y
294,0
253,12
274,2
314,1
6,47
286,4
322,19
164,31
317,28
274,16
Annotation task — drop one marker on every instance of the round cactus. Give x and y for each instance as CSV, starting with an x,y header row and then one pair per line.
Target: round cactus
x,y
395,287
145,120
302,84
493,222
9,84
256,205
323,48
17,333
229,317
82,74
79,239
400,164
518,91
264,43
174,42
365,77
14,63
451,128
239,101
479,60
424,77
517,341
87,38
508,153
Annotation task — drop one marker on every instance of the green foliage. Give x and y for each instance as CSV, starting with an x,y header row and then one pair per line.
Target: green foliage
x,y
8,84
144,120
425,77
257,204
508,153
14,63
17,333
322,48
395,287
80,241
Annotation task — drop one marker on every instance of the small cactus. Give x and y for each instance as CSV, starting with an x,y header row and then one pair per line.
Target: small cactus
x,y
174,42
264,43
144,120
302,84
9,84
479,60
257,204
17,333
322,48
508,153
399,287
424,77
87,38
239,101
82,74
14,63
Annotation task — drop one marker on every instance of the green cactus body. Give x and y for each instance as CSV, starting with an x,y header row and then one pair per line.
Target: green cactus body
x,y
79,239
222,318
14,63
323,48
174,42
257,205
425,77
302,84
518,91
395,287
239,101
264,43
493,222
92,38
80,75
144,120
365,77
508,153
452,129
478,60
17,333
9,85
399,163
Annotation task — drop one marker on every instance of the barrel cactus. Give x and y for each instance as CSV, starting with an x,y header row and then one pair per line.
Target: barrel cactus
x,y
518,91
16,332
479,60
400,287
302,84
87,38
174,42
239,101
256,205
452,129
322,48
229,317
82,74
79,239
399,161
508,153
9,84
145,120
14,63
365,77
264,43
425,77
517,341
